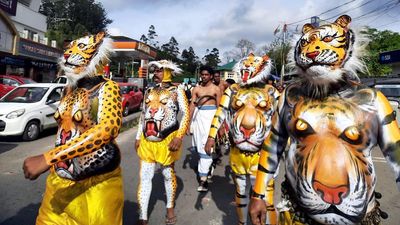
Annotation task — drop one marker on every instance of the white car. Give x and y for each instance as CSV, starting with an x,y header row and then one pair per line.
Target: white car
x,y
29,109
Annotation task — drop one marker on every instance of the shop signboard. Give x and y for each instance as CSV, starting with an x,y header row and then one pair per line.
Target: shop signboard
x,y
38,51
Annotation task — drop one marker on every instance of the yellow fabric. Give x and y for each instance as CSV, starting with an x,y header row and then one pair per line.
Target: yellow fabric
x,y
242,163
287,218
152,151
167,75
97,200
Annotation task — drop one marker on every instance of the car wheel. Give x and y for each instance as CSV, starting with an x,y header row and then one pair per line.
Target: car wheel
x,y
125,112
31,131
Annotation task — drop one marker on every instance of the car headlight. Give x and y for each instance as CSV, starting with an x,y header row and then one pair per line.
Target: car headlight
x,y
15,114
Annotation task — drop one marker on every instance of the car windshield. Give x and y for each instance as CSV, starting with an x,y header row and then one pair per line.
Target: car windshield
x,y
28,81
390,91
125,89
25,94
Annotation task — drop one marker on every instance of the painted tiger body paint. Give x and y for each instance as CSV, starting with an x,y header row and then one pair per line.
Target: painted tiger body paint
x,y
333,125
247,108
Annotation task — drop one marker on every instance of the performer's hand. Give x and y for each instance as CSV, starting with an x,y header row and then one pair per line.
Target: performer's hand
x,y
34,166
175,144
209,145
257,211
137,143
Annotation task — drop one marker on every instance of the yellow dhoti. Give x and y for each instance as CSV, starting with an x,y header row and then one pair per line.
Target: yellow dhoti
x,y
97,200
157,151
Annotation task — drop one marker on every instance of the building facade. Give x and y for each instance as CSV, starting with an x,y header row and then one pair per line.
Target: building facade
x,y
24,48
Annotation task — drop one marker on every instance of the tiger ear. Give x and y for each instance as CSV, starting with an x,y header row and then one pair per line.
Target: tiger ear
x,y
251,54
100,35
307,27
343,21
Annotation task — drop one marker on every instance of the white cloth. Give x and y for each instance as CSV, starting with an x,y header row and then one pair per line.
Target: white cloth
x,y
201,123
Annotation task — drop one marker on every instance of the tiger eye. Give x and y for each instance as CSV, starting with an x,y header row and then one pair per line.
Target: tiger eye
x,y
147,101
262,104
352,133
78,116
164,101
56,115
238,103
327,39
300,125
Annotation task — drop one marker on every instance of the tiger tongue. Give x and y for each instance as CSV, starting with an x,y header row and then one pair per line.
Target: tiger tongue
x,y
245,76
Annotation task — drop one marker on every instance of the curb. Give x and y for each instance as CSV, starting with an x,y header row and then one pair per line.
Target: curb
x,y
128,120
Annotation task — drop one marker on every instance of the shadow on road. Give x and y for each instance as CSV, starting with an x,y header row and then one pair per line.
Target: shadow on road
x,y
131,214
223,194
25,216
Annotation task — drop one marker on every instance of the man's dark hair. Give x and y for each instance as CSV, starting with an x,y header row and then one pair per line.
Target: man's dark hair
x,y
230,81
208,68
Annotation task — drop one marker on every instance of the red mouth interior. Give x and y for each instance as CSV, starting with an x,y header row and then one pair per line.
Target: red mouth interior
x,y
151,128
245,75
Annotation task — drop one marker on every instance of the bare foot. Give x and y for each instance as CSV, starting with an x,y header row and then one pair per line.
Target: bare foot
x,y
170,218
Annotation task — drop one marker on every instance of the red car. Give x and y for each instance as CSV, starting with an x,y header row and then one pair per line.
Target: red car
x,y
132,97
9,82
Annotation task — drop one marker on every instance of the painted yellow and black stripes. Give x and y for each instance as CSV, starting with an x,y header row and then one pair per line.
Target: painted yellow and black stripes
x,y
183,104
220,114
107,110
390,134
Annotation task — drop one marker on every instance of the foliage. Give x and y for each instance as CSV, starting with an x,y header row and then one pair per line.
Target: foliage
x,y
169,50
277,51
71,19
245,46
212,58
190,61
380,41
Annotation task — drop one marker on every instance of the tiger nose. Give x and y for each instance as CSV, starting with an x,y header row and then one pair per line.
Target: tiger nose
x,y
153,111
331,195
247,132
312,55
66,56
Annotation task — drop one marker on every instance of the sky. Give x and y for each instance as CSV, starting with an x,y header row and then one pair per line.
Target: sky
x,y
209,24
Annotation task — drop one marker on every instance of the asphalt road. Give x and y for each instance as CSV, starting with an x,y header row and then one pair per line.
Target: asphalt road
x,y
20,199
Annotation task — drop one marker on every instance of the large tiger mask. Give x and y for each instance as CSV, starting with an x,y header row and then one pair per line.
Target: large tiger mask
x,y
253,69
251,112
84,56
332,168
159,117
327,53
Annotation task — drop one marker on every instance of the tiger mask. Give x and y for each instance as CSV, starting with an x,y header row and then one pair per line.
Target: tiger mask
x,y
333,171
84,56
251,112
253,69
159,117
325,54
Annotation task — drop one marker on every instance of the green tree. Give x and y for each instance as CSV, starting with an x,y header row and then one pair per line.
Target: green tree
x,y
277,50
70,19
151,36
144,39
380,41
169,50
212,58
189,60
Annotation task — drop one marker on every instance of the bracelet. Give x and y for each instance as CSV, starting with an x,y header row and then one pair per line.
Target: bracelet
x,y
256,195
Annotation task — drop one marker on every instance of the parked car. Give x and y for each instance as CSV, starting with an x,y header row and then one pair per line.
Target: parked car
x,y
60,80
28,109
392,92
132,97
9,82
